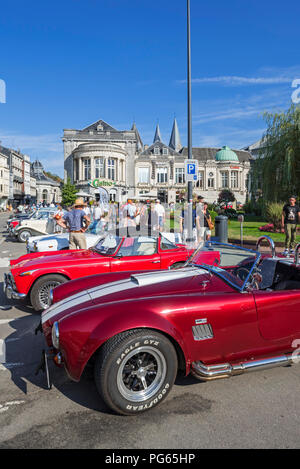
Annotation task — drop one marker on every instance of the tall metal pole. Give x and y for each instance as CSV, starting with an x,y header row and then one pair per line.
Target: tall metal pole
x,y
190,154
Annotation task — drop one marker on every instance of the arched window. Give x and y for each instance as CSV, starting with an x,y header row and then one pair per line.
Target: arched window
x,y
99,168
45,195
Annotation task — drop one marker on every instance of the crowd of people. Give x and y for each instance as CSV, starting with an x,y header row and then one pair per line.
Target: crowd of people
x,y
151,216
140,216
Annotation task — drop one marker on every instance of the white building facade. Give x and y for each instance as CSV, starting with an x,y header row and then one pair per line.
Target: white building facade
x,y
4,181
101,158
160,171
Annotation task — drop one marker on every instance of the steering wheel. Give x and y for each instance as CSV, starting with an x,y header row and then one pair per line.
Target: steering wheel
x,y
242,273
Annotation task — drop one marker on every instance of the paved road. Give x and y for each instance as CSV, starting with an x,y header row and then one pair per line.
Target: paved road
x,y
258,410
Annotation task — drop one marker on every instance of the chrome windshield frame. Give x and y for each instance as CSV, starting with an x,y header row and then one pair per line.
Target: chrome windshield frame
x,y
216,270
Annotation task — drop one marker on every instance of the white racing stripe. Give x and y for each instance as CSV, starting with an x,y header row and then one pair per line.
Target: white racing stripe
x,y
60,306
134,281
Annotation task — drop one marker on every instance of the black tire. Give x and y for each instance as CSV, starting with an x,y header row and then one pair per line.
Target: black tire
x,y
23,235
39,295
135,370
177,265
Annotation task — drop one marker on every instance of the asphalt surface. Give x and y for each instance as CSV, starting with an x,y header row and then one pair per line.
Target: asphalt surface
x,y
256,410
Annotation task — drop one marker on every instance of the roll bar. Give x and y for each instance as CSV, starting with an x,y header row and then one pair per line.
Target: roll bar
x,y
270,241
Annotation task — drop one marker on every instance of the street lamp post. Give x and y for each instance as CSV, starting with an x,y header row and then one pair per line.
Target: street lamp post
x,y
189,98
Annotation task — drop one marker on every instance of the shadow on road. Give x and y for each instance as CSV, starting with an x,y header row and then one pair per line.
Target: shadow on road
x,y
23,355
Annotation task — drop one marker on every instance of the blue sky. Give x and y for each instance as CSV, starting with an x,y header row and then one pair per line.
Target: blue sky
x,y
69,63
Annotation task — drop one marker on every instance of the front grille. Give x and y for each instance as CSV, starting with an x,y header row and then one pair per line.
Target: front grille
x,y
202,332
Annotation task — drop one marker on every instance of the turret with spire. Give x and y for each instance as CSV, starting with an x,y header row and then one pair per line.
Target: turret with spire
x,y
157,137
175,142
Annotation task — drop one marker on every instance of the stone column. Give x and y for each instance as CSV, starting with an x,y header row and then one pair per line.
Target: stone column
x,y
92,162
80,169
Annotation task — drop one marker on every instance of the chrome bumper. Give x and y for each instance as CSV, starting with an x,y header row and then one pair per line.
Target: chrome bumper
x,y
10,289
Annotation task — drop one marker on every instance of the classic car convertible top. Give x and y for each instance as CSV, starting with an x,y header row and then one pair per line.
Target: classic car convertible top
x,y
139,330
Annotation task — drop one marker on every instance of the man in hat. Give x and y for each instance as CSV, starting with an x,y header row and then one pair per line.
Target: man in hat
x,y
290,219
77,222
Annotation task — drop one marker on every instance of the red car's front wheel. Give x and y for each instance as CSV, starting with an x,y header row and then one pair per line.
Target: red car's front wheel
x,y
40,292
135,371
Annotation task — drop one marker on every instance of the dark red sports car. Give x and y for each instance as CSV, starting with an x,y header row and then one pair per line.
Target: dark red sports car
x,y
33,276
139,329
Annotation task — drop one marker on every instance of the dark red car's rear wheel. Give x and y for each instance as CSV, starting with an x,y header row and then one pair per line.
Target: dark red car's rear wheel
x,y
135,371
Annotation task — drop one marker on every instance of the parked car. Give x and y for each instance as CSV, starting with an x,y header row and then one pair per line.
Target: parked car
x,y
33,276
139,330
60,241
15,219
40,223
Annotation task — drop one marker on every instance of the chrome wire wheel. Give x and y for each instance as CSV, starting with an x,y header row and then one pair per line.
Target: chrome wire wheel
x,y
24,235
142,374
44,293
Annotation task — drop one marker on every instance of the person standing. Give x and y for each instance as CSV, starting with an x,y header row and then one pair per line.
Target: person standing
x,y
159,209
129,213
57,216
203,223
77,222
289,220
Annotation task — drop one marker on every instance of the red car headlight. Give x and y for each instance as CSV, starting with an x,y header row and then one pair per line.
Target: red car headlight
x,y
55,335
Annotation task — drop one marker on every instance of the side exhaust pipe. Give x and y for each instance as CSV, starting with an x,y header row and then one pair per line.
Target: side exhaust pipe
x,y
226,370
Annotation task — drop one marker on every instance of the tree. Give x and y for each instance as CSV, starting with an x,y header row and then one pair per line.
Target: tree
x,y
226,196
53,176
69,193
277,170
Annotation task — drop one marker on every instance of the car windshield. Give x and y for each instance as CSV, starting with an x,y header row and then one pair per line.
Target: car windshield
x,y
107,245
166,243
233,263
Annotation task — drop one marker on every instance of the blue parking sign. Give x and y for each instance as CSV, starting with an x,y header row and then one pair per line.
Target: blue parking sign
x,y
191,170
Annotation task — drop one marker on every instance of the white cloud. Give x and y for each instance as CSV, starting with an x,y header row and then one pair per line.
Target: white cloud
x,y
47,148
265,76
48,142
238,81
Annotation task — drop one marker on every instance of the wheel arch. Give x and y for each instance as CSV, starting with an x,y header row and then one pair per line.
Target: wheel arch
x,y
63,274
182,364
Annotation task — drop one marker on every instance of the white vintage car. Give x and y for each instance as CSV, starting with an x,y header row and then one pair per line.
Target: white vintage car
x,y
39,224
60,241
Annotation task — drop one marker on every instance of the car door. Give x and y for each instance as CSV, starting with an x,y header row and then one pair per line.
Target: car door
x,y
41,223
278,313
136,253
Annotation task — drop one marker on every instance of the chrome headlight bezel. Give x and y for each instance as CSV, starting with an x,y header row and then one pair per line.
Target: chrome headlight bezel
x,y
55,335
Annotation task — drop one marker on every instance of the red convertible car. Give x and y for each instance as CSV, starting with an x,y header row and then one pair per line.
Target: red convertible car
x,y
32,276
139,330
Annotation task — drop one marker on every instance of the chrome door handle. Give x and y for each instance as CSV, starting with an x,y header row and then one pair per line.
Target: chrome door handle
x,y
155,262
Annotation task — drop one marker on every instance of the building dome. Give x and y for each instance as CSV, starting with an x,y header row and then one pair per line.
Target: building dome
x,y
226,154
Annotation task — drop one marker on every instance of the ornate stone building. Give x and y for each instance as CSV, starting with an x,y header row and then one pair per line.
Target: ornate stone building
x,y
160,173
47,189
99,157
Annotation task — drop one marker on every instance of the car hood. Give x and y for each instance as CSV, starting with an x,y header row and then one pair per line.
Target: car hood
x,y
137,286
31,239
